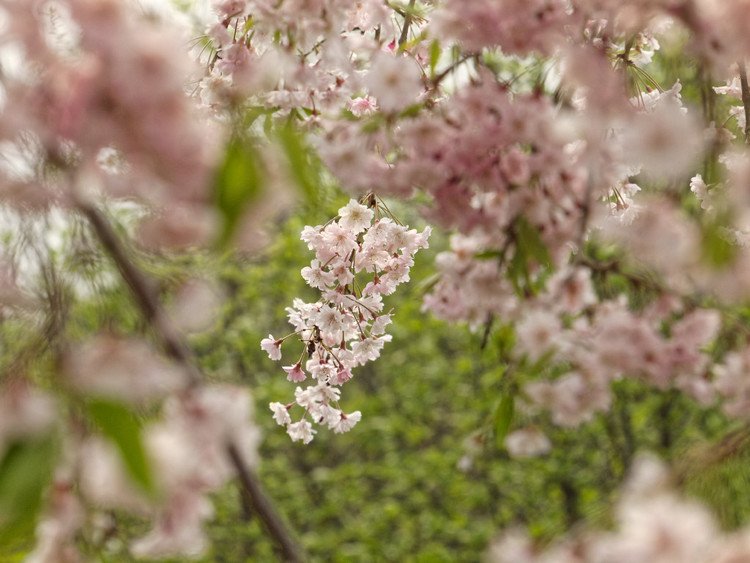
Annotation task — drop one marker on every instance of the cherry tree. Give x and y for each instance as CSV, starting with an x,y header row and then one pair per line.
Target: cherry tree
x,y
598,224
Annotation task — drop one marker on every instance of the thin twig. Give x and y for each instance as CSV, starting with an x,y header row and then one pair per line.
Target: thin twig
x,y
180,352
745,98
439,78
407,22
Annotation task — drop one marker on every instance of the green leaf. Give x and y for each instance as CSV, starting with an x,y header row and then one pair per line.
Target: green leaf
x,y
411,111
304,164
373,124
505,336
518,271
238,184
529,246
123,428
504,417
435,52
528,237
488,255
427,284
251,115
25,473
716,249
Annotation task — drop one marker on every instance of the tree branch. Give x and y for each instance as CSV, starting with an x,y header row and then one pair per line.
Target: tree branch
x,y
407,22
745,98
181,353
263,506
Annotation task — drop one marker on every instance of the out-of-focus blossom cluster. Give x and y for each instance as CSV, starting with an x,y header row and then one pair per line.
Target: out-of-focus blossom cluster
x,y
652,523
518,27
359,257
185,448
290,55
614,342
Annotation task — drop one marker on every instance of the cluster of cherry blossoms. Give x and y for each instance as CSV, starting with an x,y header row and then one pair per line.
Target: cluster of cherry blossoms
x,y
359,257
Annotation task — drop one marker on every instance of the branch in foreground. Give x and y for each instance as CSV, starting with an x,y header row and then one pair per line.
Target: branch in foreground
x,y
745,98
180,352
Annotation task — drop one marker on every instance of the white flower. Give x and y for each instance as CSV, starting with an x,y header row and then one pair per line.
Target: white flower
x,y
307,398
527,442
355,216
272,347
301,431
378,326
699,188
346,422
280,413
731,88
294,373
315,276
369,348
361,106
340,240
665,142
537,333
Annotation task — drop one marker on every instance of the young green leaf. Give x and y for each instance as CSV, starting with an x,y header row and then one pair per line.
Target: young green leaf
x,y
25,473
435,52
504,417
717,250
303,163
239,183
528,237
123,428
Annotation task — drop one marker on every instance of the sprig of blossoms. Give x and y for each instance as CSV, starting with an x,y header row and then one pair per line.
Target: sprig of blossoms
x,y
359,257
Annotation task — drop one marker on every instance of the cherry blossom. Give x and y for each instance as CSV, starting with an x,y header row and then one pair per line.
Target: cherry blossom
x,y
346,328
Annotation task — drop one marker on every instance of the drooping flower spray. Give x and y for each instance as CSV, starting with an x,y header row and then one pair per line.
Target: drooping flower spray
x,y
360,256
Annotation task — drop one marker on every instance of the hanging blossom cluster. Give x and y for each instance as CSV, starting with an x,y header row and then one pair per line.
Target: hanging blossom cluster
x,y
289,55
359,257
613,342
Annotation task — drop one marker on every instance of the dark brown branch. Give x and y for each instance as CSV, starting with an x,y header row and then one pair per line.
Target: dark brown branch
x,y
745,98
181,353
262,506
142,291
440,77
